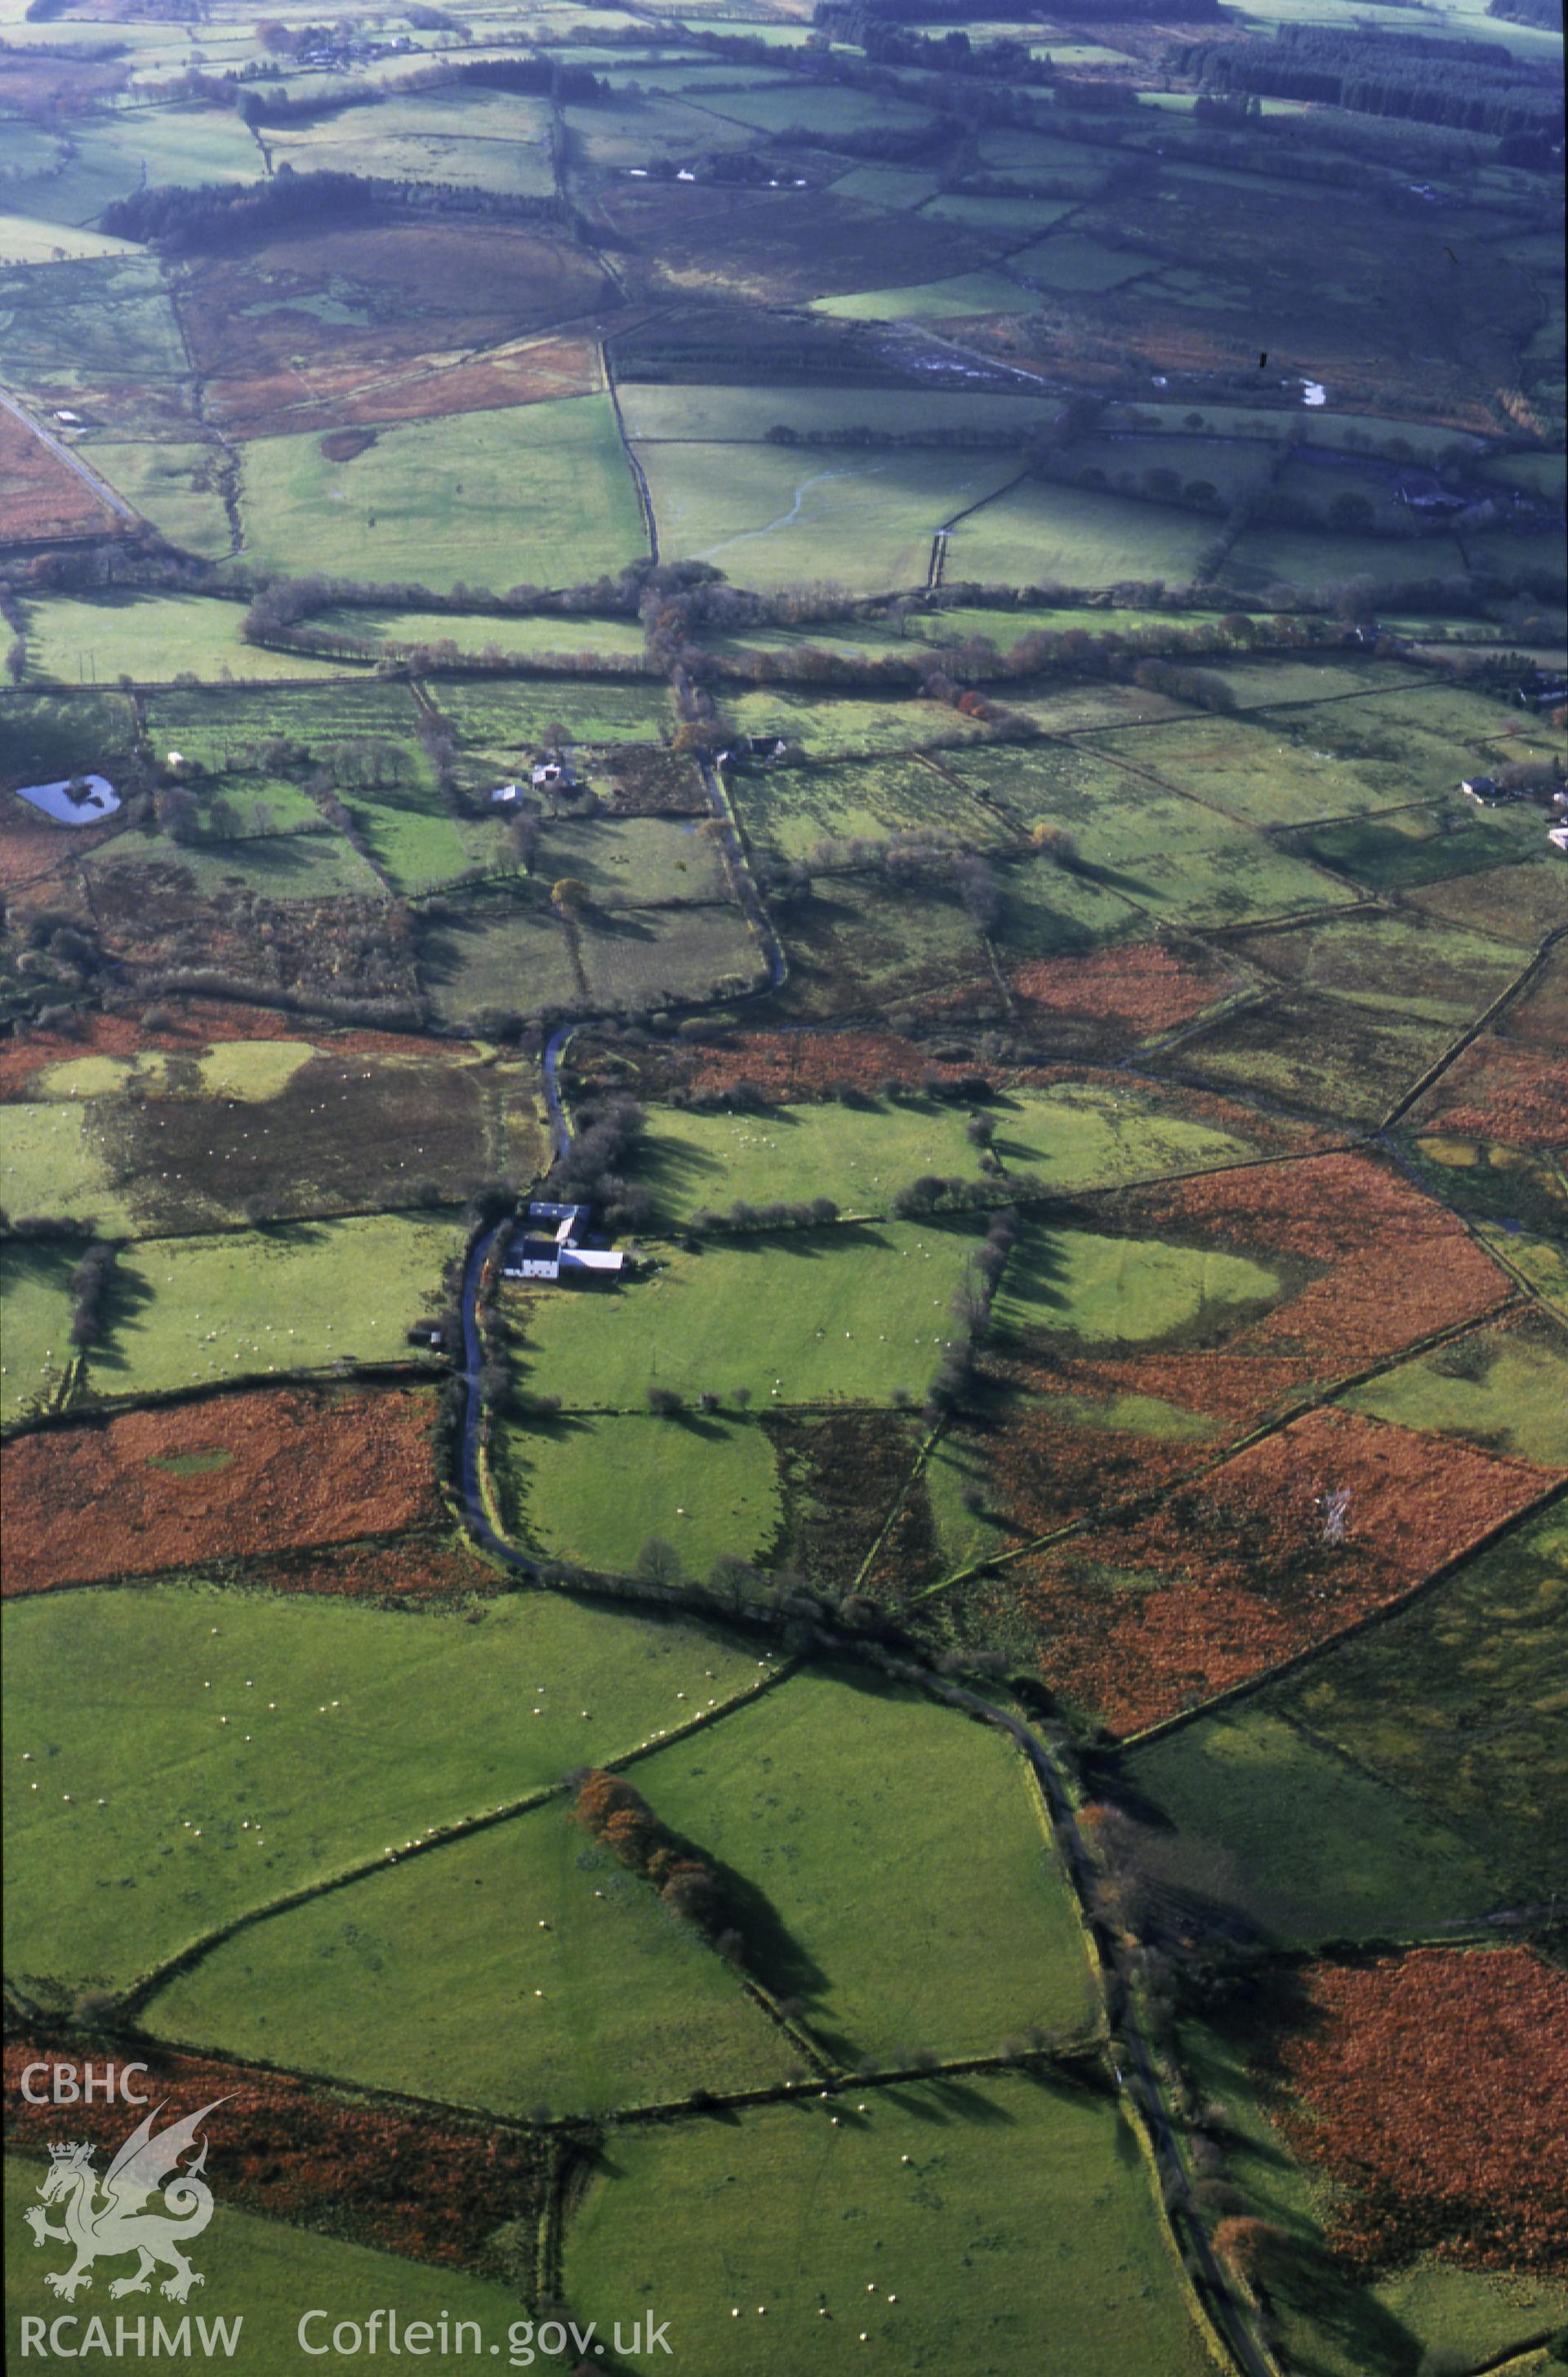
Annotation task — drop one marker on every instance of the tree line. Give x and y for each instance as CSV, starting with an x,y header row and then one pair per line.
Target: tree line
x,y
1469,85
183,218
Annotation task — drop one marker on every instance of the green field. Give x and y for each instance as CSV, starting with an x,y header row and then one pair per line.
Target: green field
x,y
1413,1776
841,726
540,494
274,866
1039,534
35,1322
1506,1390
579,1989
263,2274
1070,1139
1121,1291
1312,1846
371,1725
531,636
1000,2223
510,713
963,296
768,515
720,413
174,485
707,1488
264,1129
833,1315
252,1303
903,1920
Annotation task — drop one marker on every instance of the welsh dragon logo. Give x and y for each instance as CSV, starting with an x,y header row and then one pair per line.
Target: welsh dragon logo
x,y
119,2223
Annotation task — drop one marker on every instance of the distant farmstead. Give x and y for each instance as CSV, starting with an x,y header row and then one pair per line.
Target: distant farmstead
x,y
567,1254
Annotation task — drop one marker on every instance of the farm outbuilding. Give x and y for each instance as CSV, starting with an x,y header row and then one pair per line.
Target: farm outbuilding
x,y
566,1254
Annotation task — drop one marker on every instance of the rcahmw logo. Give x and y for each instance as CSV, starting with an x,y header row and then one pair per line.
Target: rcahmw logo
x,y
104,2219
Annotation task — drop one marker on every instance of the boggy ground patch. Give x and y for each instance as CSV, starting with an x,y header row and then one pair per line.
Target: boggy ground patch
x,y
225,1476
841,1478
1237,1571
1433,2087
434,2190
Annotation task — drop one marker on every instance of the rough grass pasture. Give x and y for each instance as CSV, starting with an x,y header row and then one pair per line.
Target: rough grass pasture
x,y
173,483
634,959
770,517
540,493
251,1303
496,957
655,412
950,2253
902,1920
856,948
246,1745
580,1990
1504,1391
151,638
708,1488
791,811
1481,1661
844,1315
531,636
633,862
1168,856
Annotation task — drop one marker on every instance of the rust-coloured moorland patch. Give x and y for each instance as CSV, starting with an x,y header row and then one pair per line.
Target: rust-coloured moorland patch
x,y
234,1475
791,1065
421,1567
431,2190
1500,1089
418,286
1433,2088
1235,1571
270,403
1392,1264
1144,989
40,494
31,851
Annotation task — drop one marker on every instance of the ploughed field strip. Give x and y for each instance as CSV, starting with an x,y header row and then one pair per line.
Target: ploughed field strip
x,y
783,1117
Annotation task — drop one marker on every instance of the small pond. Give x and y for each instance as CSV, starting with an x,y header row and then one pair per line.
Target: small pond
x,y
99,800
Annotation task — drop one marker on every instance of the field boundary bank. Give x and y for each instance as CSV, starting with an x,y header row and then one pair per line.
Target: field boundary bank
x,y
638,475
